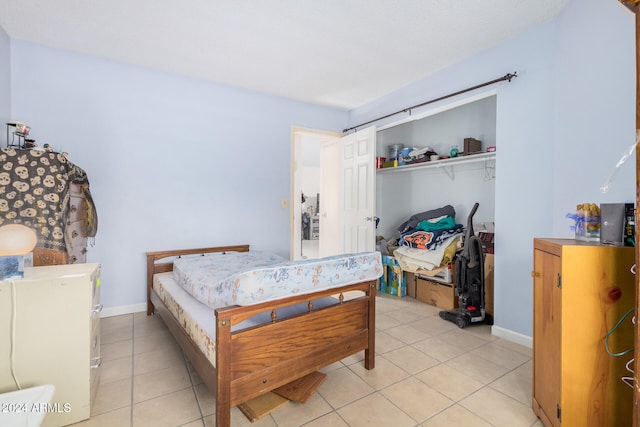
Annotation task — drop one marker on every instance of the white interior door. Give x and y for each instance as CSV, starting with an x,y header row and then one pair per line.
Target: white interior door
x,y
347,207
358,171
305,179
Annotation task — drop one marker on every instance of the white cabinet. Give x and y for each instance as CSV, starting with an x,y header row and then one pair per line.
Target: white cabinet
x,y
50,330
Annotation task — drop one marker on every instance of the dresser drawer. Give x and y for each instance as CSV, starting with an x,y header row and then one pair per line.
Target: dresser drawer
x,y
96,355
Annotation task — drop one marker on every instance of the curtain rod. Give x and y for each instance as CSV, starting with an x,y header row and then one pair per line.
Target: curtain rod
x,y
506,77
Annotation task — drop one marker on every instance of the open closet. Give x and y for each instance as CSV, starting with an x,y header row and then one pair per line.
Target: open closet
x,y
461,181
404,190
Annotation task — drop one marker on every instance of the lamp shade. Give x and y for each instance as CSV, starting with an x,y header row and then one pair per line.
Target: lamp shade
x,y
16,239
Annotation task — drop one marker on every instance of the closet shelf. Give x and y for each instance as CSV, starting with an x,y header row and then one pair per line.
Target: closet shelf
x,y
446,164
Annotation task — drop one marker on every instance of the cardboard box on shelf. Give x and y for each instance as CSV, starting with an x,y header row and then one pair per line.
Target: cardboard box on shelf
x,y
472,146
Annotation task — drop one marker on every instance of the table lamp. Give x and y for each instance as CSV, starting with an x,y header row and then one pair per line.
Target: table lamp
x,y
17,241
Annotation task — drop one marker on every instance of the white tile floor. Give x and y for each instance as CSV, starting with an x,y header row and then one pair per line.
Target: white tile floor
x,y
428,373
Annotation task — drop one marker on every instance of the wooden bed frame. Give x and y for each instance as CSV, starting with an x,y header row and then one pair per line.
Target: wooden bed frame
x,y
258,359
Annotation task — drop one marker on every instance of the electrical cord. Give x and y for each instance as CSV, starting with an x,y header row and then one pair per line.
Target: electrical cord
x,y
606,340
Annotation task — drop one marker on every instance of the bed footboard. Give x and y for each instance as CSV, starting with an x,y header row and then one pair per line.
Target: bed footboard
x,y
259,359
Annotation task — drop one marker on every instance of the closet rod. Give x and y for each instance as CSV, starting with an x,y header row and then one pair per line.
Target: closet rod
x,y
506,77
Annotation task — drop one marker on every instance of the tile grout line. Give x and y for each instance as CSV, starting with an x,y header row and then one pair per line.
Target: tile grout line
x,y
454,402
379,391
193,386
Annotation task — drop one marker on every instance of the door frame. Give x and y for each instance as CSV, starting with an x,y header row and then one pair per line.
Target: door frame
x,y
298,133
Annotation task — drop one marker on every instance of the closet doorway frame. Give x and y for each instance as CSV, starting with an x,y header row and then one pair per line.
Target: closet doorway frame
x,y
298,134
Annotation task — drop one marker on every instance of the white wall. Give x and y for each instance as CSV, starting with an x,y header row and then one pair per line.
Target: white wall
x,y
173,162
5,82
561,125
595,106
402,194
310,164
310,180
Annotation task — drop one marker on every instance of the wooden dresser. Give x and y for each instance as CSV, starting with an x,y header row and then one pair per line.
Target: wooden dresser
x,y
56,338
580,291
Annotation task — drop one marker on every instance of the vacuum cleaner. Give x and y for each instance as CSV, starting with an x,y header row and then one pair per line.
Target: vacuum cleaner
x,y
469,281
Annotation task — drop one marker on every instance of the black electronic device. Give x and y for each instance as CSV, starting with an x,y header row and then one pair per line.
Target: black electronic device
x,y
613,222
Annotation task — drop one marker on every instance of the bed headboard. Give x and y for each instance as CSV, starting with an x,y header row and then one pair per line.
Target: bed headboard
x,y
154,267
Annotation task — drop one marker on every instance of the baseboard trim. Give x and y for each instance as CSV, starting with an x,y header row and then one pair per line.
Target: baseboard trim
x,y
512,336
123,309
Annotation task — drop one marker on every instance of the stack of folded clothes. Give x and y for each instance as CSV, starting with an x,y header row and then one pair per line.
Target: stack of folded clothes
x,y
429,240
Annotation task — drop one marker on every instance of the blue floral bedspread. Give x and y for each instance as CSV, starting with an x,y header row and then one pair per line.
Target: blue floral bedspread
x,y
246,278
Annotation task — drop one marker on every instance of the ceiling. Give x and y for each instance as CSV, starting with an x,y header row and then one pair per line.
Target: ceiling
x,y
338,53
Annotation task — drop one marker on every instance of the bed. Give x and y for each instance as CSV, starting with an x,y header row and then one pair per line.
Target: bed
x,y
243,351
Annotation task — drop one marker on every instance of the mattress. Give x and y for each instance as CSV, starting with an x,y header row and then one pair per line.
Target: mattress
x,y
198,320
246,278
